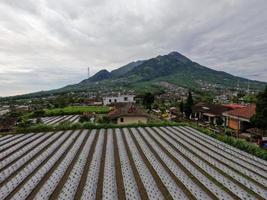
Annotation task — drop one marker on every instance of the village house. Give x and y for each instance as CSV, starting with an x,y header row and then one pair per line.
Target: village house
x,y
108,100
239,119
209,113
128,114
3,111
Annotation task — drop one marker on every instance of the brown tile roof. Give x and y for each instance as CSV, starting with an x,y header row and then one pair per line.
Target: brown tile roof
x,y
246,112
127,110
214,109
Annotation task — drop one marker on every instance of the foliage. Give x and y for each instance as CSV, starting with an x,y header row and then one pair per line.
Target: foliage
x,y
235,142
38,113
188,105
104,120
182,107
88,125
25,123
260,118
148,100
250,98
219,121
72,110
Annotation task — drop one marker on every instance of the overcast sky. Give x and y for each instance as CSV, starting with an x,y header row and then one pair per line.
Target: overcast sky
x,y
47,44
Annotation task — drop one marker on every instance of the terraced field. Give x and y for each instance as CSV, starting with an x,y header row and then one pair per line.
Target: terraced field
x,y
59,119
127,163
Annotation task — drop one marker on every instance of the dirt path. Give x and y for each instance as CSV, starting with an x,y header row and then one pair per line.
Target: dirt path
x,y
33,158
83,180
156,177
118,172
99,189
138,180
220,171
36,169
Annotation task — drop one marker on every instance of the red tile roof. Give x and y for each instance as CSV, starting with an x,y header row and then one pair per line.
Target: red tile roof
x,y
234,106
246,112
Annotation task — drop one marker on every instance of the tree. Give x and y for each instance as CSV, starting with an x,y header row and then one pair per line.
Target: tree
x,y
181,107
188,105
38,113
148,100
260,118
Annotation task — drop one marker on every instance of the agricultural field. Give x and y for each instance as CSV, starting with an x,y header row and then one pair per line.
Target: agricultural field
x,y
73,110
127,163
60,119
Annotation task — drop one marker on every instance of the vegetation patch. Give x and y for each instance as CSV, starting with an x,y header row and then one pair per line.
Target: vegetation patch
x,y
74,110
235,142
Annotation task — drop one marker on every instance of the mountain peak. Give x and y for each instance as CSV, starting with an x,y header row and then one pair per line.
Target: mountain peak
x,y
175,53
179,57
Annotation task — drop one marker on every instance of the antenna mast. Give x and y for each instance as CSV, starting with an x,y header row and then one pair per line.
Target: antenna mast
x,y
88,72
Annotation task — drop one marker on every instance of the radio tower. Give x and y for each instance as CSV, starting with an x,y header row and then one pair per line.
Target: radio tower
x,y
88,72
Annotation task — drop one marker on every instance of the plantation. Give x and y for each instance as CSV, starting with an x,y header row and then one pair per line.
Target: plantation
x,y
74,110
172,162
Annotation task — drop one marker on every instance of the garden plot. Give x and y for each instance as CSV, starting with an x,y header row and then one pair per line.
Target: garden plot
x,y
60,119
128,163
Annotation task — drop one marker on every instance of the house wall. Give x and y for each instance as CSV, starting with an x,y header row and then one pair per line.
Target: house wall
x,y
132,120
233,123
118,99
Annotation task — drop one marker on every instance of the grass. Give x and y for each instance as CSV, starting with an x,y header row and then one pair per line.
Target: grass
x,y
87,125
73,110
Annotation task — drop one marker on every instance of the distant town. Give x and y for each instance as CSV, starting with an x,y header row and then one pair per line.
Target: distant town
x,y
225,112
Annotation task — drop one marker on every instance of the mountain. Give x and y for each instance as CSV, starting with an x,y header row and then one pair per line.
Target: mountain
x,y
147,75
173,68
126,68
104,74
99,76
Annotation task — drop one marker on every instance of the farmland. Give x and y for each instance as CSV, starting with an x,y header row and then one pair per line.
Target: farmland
x,y
60,119
73,110
127,163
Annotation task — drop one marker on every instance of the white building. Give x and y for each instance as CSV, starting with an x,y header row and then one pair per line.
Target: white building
x,y
4,111
118,99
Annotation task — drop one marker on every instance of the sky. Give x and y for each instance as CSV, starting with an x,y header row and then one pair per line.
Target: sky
x,y
47,44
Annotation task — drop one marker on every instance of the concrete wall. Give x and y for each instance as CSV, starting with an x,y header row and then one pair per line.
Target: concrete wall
x,y
118,99
132,120
233,123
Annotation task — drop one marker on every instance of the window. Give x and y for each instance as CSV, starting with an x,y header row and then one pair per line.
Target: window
x,y
121,119
109,100
115,100
125,98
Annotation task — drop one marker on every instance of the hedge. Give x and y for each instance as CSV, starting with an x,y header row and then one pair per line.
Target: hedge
x,y
235,142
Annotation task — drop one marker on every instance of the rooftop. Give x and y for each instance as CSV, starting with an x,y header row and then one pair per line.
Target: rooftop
x,y
127,110
214,109
246,112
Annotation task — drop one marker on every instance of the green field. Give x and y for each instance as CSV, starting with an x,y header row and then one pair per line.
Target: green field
x,y
71,110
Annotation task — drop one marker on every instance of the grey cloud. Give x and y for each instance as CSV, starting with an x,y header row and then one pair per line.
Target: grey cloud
x,y
57,40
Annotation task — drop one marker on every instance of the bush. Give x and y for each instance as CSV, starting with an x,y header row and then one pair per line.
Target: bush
x,y
74,110
236,142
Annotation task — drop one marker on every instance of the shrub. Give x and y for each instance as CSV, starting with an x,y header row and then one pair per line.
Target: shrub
x,y
236,142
